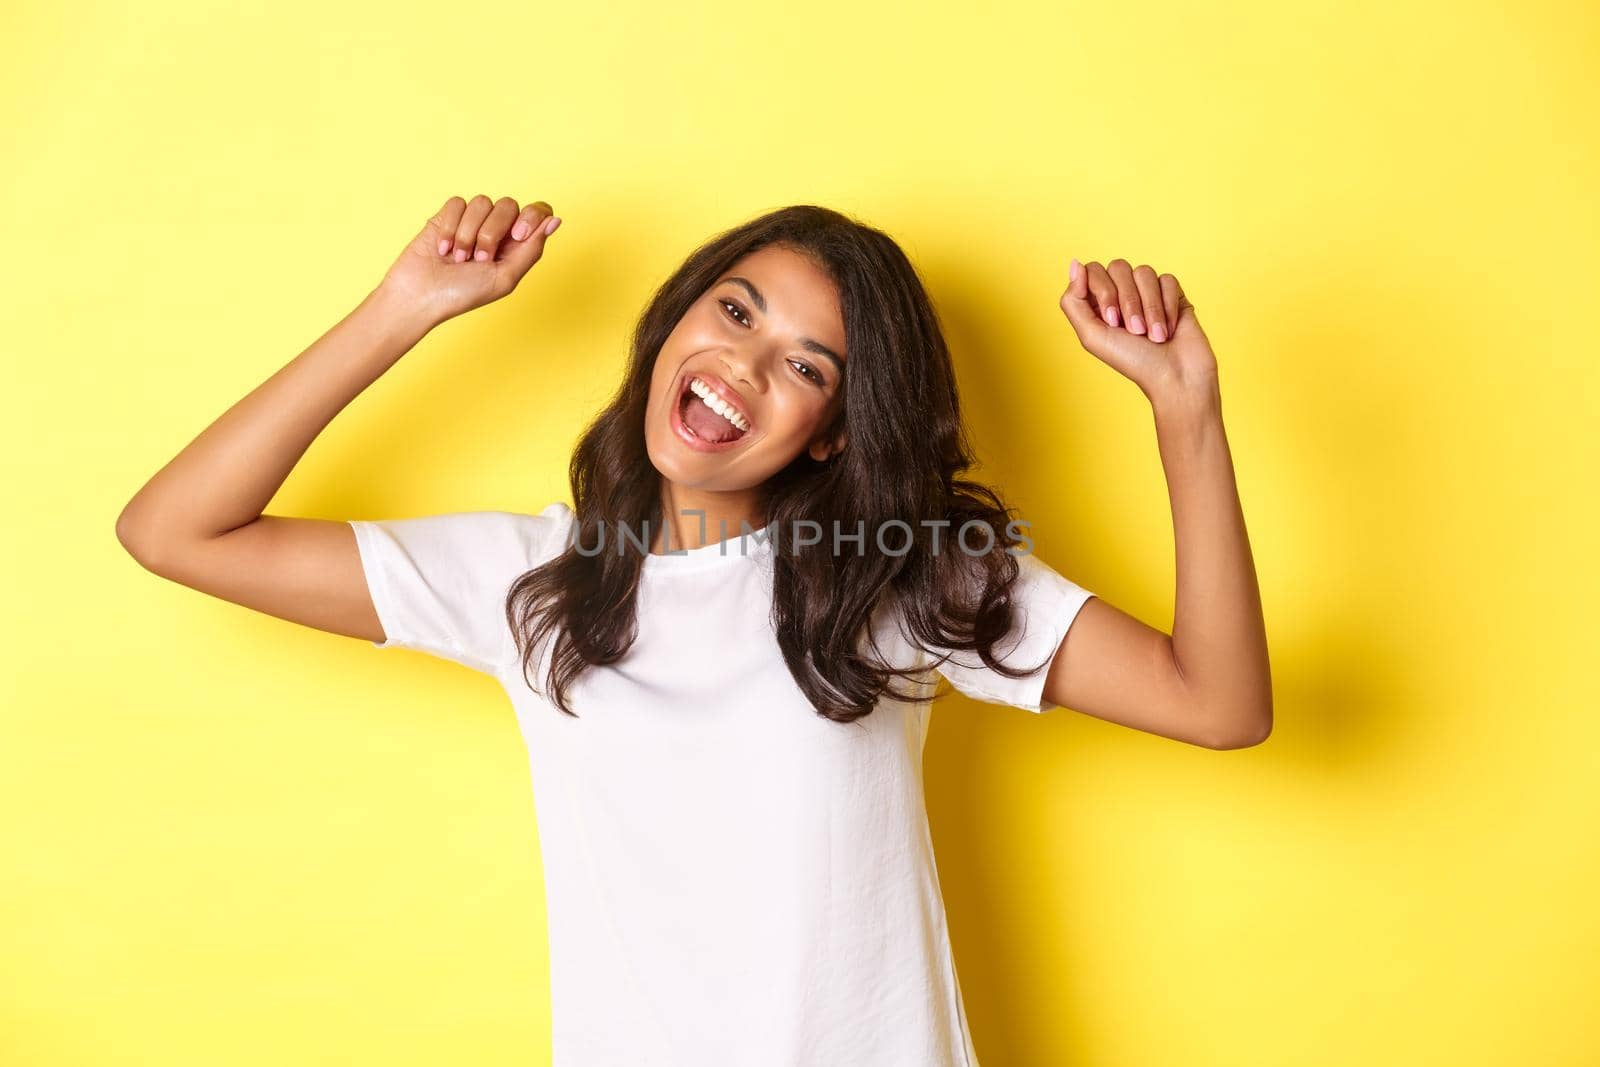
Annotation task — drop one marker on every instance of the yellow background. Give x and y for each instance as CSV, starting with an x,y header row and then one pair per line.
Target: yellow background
x,y
229,839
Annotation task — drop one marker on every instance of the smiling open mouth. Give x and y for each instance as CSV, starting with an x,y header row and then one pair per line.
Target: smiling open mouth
x,y
707,416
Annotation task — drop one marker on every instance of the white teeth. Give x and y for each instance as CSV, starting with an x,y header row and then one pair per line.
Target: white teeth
x,y
716,403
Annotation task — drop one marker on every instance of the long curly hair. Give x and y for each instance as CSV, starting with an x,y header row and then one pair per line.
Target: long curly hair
x,y
906,452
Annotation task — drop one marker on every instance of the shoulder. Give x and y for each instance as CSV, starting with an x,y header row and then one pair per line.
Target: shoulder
x,y
498,539
1038,597
546,531
526,538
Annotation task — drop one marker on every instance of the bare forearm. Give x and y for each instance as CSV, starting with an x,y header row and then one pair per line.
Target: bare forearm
x,y
1218,634
225,477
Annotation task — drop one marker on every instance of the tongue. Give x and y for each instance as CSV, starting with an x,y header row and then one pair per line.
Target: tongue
x,y
707,424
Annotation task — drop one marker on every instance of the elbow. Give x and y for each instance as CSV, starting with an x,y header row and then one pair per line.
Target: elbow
x,y
125,531
133,541
1242,731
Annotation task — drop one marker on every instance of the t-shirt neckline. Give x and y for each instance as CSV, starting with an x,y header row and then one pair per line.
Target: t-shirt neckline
x,y
755,543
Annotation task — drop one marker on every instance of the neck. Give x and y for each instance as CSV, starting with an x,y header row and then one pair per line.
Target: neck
x,y
724,512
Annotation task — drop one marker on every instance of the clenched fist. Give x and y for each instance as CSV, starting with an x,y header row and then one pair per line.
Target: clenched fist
x,y
471,253
1143,326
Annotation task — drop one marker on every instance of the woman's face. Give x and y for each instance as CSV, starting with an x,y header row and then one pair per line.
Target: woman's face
x,y
760,348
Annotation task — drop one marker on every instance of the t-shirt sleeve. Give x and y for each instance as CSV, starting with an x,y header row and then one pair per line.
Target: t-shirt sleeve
x,y
1044,605
439,582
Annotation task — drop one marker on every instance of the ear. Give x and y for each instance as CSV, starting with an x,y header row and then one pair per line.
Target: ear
x,y
822,451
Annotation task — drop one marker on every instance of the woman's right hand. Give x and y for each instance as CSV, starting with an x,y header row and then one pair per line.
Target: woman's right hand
x,y
469,254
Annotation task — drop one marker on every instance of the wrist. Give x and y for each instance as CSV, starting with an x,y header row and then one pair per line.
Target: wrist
x,y
1189,402
400,312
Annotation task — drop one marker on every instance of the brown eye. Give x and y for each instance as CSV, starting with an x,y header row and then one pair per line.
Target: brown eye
x,y
737,310
807,370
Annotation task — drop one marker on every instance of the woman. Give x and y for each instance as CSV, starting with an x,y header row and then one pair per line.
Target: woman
x,y
725,731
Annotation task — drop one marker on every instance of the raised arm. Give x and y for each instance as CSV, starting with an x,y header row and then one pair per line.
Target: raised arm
x,y
1208,682
198,521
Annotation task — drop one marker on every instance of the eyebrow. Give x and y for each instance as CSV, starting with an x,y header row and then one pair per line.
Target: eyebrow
x,y
805,342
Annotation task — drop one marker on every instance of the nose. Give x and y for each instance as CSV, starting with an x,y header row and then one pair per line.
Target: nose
x,y
744,365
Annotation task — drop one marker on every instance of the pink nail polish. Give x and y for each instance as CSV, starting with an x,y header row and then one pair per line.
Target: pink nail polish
x,y
519,231
460,255
444,245
1136,324
1111,315
1158,332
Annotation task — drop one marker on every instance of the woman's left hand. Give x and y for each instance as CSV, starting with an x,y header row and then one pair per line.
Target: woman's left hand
x,y
1144,326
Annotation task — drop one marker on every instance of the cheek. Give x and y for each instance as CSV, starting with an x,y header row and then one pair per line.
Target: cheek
x,y
796,416
692,331
660,377
656,401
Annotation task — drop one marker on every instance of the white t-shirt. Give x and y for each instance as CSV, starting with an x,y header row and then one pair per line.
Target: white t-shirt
x,y
731,879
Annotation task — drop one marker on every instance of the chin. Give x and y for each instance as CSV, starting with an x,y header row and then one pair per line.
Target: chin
x,y
712,473
680,468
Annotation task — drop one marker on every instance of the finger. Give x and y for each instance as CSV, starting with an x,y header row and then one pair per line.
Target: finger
x,y
521,255
1171,298
1080,311
466,241
495,228
1104,291
1144,277
1131,358
531,218
445,222
1127,294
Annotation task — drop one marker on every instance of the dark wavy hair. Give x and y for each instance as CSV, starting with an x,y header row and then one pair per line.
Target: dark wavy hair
x,y
906,451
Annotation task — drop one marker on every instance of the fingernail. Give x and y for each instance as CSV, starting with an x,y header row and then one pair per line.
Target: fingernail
x,y
1136,324
553,225
1072,271
1158,332
460,255
444,245
480,255
1111,315
519,231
